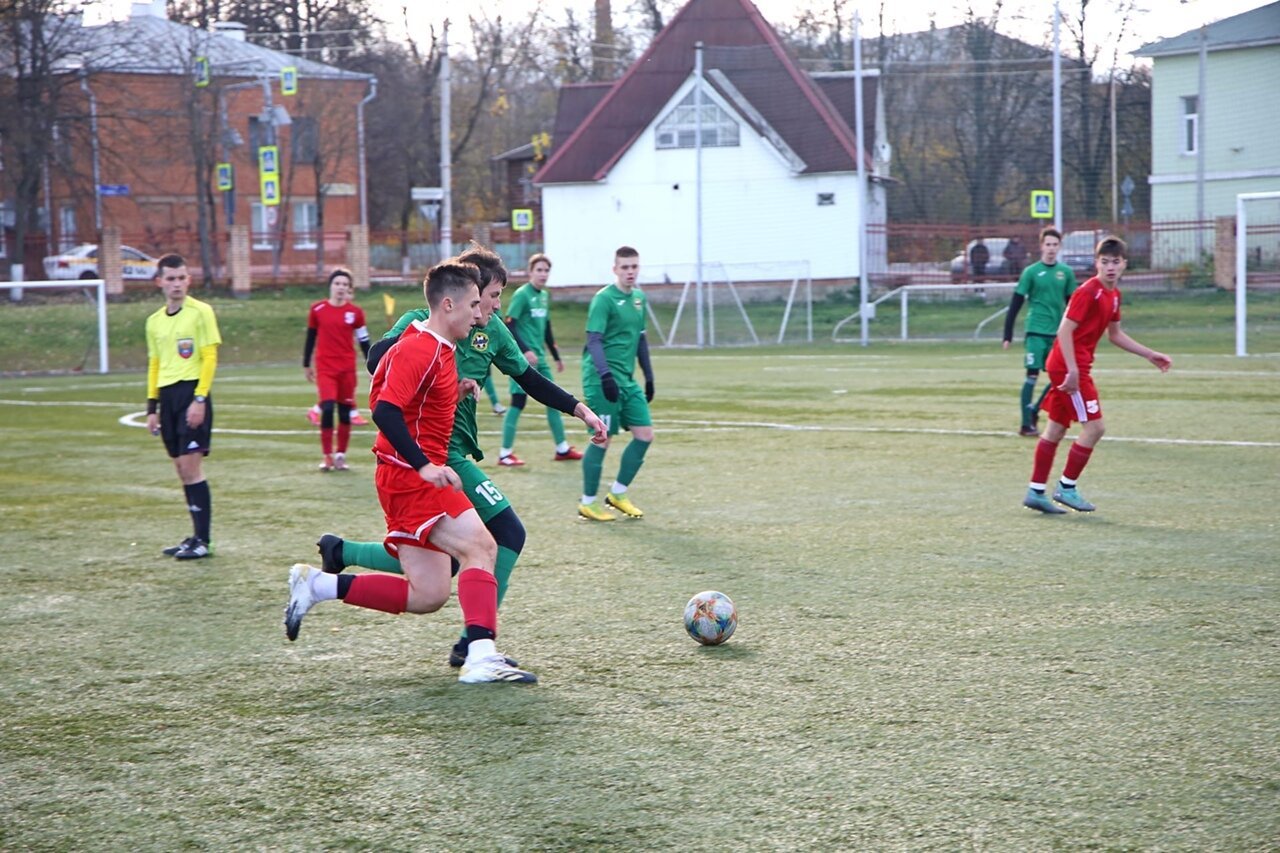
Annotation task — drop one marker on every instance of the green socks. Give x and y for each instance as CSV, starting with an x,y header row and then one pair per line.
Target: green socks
x,y
632,459
592,465
509,422
556,423
1028,388
370,555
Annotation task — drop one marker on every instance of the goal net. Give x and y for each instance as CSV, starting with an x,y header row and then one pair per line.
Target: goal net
x,y
742,304
1257,257
62,326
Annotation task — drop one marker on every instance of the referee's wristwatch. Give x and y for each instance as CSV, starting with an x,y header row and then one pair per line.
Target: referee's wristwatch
x,y
200,398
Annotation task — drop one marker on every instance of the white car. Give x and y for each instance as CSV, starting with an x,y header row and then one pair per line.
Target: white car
x,y
82,262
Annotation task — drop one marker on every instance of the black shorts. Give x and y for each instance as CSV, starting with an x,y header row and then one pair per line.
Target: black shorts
x,y
180,439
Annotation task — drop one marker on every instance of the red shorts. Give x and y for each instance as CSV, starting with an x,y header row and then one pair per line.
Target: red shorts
x,y
412,506
337,386
1064,408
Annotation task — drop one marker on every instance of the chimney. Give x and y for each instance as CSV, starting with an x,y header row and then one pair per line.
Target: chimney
x,y
230,29
149,9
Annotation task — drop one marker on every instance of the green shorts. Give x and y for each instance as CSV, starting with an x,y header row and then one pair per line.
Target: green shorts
x,y
479,489
631,409
1038,347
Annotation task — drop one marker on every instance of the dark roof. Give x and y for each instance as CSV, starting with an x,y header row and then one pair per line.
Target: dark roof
x,y
1248,29
575,103
767,77
154,45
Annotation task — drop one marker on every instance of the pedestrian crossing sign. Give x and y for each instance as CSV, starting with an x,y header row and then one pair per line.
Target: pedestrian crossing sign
x,y
522,219
289,80
1042,204
226,177
201,72
269,189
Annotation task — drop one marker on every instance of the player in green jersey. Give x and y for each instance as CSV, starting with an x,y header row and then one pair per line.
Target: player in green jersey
x,y
529,319
1045,286
615,343
490,343
182,356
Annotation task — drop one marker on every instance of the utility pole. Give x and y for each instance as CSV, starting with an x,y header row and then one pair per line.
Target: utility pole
x,y
446,156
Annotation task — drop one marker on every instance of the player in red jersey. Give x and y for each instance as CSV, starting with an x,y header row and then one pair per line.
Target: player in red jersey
x,y
1094,308
330,324
429,519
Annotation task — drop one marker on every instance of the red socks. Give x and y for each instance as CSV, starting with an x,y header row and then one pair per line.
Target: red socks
x,y
478,598
1045,451
388,593
344,437
326,440
1076,460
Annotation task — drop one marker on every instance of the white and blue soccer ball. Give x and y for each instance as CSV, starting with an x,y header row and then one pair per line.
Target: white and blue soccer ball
x,y
710,617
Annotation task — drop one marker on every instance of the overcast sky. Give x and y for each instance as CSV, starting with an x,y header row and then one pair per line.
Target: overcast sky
x,y
1026,19
1029,20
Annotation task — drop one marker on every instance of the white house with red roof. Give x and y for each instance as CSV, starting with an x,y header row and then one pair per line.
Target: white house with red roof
x,y
779,168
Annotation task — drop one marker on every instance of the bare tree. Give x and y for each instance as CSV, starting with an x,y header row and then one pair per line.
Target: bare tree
x,y
38,49
1087,148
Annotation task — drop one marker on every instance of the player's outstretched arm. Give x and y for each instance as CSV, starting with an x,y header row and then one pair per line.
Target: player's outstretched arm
x,y
600,433
1120,338
545,391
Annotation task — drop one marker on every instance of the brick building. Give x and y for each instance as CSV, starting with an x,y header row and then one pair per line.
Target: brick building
x,y
159,105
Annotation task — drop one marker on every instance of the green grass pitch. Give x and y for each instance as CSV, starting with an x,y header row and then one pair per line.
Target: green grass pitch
x,y
920,663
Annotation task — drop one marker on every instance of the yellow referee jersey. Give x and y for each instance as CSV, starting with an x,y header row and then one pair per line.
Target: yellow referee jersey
x,y
175,341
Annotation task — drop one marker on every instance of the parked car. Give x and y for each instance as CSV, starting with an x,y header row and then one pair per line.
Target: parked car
x,y
961,269
1077,251
82,262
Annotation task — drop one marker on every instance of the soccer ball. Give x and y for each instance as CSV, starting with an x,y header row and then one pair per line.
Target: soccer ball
x,y
710,617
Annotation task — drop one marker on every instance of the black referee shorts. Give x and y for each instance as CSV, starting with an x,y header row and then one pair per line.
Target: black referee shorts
x,y
180,439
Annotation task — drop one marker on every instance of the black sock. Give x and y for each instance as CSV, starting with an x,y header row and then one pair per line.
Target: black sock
x,y
344,585
1039,490
477,632
200,505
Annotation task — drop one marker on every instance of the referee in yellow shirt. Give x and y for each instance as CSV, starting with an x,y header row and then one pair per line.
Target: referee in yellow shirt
x,y
182,355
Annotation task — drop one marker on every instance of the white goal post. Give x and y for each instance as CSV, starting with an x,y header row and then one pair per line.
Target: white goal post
x,y
1242,263
904,296
84,284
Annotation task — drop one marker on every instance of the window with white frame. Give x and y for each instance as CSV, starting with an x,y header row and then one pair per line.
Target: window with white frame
x,y
1190,123
305,224
679,128
262,225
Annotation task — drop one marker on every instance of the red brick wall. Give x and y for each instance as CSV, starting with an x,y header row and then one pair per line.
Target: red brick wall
x,y
145,134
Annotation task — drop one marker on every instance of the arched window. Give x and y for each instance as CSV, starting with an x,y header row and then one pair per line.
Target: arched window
x,y
679,128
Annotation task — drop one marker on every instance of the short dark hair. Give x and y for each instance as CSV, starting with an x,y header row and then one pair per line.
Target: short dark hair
x,y
487,261
448,278
626,252
1112,247
538,258
1049,231
170,261
341,271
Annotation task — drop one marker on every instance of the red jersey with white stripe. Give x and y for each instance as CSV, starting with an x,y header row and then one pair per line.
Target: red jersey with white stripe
x,y
334,325
418,375
1092,308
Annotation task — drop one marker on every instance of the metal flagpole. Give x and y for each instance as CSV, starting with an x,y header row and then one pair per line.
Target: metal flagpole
x,y
446,156
697,154
1057,117
862,177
